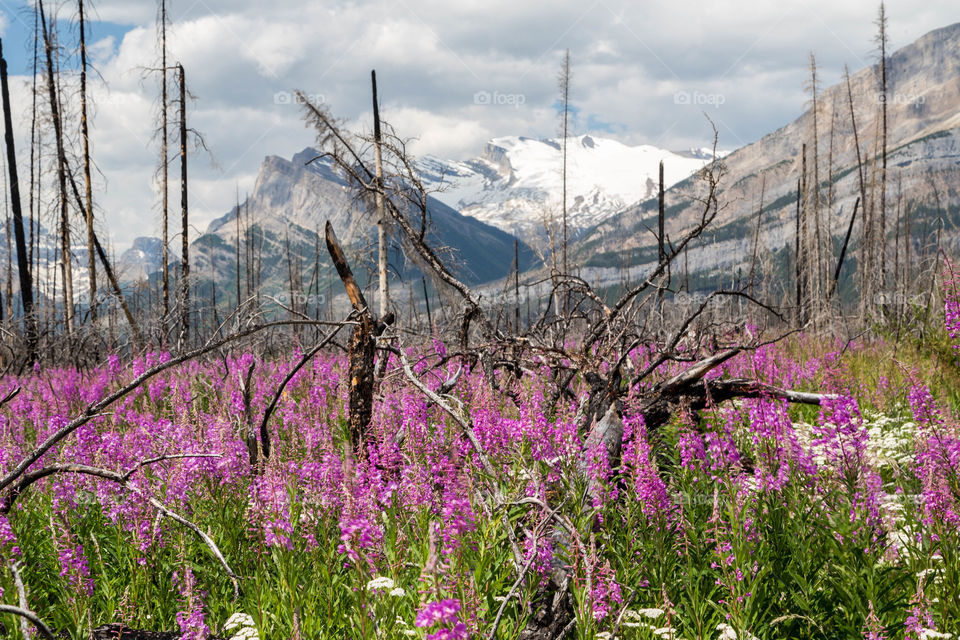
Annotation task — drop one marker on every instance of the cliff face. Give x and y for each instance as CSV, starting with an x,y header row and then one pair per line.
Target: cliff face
x,y
922,181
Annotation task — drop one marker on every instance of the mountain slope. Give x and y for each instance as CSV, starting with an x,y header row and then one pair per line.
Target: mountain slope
x,y
923,159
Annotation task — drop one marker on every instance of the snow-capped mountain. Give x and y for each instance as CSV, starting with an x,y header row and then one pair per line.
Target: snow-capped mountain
x,y
517,183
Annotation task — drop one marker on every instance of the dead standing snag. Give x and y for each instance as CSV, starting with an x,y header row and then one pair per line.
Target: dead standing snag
x,y
362,347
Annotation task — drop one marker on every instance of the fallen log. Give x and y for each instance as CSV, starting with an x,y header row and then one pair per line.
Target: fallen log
x,y
117,631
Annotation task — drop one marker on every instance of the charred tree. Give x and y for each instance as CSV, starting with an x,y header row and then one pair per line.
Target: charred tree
x,y
882,40
381,214
564,83
843,249
66,268
237,246
815,251
34,142
164,159
23,264
362,346
184,213
88,186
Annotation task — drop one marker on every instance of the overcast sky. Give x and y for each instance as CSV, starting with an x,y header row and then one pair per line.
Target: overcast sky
x,y
452,74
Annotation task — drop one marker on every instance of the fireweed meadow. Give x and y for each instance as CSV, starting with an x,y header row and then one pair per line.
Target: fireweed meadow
x,y
748,519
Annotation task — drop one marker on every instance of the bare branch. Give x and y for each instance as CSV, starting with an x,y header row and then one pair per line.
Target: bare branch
x,y
31,616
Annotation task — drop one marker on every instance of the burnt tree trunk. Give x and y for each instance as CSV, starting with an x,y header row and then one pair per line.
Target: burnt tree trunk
x,y
184,235
87,182
23,265
136,336
164,158
66,267
362,347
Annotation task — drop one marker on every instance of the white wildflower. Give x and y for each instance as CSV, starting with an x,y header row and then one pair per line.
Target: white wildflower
x,y
926,634
380,583
726,632
239,621
651,612
603,635
924,573
397,592
664,632
246,633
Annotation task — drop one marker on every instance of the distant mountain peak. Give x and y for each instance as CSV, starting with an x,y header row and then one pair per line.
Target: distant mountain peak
x,y
516,182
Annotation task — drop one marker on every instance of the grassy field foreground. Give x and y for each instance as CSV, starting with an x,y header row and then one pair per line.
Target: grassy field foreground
x,y
753,519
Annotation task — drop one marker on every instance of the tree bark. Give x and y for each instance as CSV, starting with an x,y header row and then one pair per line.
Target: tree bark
x,y
882,41
815,274
184,219
66,268
361,348
237,246
164,158
381,214
843,250
23,265
88,187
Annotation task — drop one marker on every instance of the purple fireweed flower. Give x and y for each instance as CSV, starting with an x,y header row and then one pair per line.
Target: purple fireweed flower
x,y
458,631
649,488
842,441
920,619
778,451
190,619
922,405
602,487
722,452
605,594
872,627
359,538
8,541
73,564
937,459
458,520
443,612
541,550
692,451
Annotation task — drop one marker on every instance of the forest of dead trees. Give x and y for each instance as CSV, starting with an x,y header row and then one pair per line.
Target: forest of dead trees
x,y
842,262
